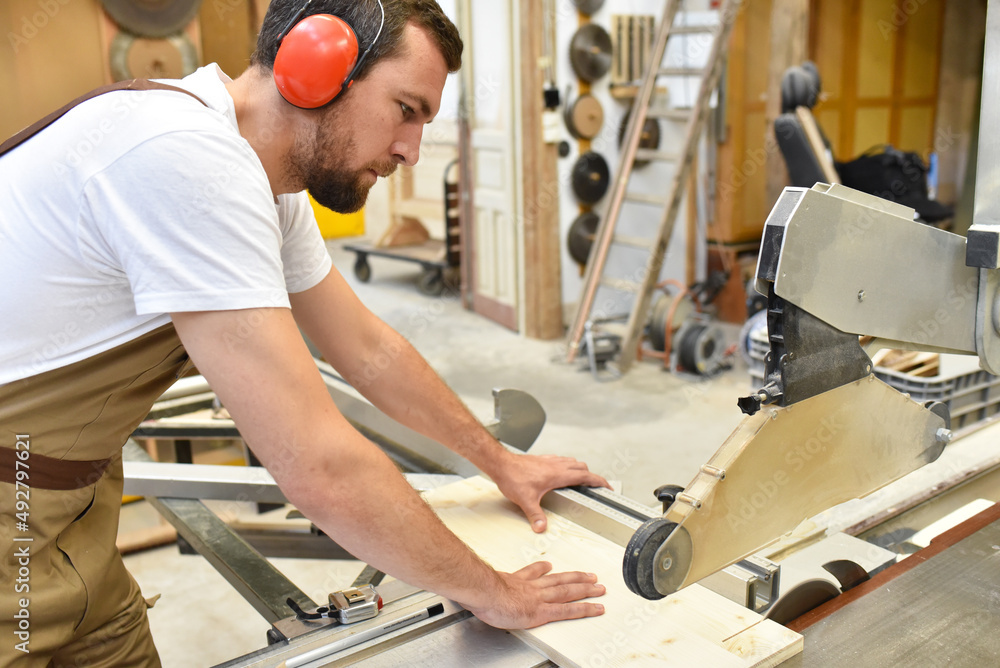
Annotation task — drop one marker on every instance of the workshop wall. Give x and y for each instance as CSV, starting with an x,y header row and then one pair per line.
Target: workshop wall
x,y
636,220
52,52
57,50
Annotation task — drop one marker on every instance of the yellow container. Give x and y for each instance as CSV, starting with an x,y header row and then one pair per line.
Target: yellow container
x,y
333,225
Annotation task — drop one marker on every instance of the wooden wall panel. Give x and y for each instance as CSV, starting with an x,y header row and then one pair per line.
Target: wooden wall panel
x,y
921,51
879,61
916,126
829,120
872,127
875,52
48,57
228,34
828,46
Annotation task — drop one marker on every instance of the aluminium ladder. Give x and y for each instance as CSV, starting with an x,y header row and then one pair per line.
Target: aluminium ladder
x,y
605,236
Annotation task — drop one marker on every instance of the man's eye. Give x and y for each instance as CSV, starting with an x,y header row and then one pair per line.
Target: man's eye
x,y
407,110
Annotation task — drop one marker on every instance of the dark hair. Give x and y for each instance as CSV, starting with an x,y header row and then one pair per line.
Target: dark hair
x,y
364,17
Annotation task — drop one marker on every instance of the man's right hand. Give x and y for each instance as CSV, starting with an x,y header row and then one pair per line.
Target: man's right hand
x,y
534,596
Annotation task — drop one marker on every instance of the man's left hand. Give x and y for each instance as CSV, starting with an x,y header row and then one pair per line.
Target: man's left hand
x,y
525,479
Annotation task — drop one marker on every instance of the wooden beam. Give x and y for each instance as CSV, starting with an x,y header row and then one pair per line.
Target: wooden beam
x,y
789,46
540,186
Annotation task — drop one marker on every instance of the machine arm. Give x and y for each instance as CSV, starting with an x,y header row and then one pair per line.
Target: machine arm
x,y
835,263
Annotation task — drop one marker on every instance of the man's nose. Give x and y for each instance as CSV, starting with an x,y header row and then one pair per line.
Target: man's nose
x,y
406,149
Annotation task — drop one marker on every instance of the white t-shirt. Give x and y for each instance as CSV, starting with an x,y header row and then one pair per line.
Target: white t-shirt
x,y
135,205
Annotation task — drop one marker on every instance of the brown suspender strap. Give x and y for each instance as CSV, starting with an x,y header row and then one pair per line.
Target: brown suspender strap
x,y
44,472
133,84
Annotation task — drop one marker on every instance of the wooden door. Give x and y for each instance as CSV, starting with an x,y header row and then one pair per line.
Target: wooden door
x,y
490,225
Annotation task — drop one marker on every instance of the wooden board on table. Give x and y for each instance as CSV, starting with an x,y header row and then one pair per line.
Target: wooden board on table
x,y
692,627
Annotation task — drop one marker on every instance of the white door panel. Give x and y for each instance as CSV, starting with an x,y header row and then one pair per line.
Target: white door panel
x,y
488,90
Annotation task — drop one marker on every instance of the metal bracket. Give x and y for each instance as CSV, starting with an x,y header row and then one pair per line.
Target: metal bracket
x,y
753,582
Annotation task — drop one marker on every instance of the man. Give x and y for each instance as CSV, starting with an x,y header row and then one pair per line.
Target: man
x,y
144,216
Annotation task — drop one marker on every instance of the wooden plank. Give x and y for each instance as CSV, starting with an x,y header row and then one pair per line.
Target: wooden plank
x,y
693,627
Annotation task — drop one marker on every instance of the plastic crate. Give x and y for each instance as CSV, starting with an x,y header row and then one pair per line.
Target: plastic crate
x,y
971,394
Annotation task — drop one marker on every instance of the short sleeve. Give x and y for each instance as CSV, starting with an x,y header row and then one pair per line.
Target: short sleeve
x,y
303,253
189,219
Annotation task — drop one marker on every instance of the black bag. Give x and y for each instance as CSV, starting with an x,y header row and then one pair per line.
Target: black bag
x,y
894,175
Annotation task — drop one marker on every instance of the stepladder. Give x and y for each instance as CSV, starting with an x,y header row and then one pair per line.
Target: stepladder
x,y
686,61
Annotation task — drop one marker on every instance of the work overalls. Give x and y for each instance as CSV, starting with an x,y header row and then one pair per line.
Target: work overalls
x,y
65,596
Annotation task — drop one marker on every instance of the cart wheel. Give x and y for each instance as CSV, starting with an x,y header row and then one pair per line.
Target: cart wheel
x,y
362,269
431,283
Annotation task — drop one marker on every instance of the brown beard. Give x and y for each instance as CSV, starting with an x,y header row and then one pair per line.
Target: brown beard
x,y
337,188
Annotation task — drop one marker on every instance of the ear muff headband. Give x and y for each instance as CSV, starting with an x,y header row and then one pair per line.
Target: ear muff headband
x,y
317,58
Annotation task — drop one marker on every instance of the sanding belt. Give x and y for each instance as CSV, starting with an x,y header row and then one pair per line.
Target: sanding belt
x,y
48,472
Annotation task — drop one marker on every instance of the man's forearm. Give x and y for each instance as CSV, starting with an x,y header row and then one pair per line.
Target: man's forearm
x,y
397,380
354,493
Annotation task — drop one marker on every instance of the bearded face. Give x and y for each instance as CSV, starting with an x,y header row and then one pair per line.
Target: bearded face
x,y
326,164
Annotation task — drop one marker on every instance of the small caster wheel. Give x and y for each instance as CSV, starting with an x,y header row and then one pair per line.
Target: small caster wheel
x,y
431,283
362,269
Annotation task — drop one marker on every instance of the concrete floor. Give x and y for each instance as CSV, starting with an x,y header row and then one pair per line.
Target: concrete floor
x,y
645,429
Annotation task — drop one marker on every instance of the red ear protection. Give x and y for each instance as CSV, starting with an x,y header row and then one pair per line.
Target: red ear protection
x,y
318,57
314,60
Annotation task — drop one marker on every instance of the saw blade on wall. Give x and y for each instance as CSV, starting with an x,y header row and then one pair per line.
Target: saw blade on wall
x,y
141,58
152,18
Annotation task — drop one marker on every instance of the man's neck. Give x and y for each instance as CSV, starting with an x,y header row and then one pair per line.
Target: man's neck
x,y
265,122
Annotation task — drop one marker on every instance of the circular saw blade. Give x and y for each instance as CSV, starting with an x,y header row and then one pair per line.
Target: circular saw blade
x,y
590,52
801,599
152,18
140,58
588,7
581,236
584,117
590,177
649,138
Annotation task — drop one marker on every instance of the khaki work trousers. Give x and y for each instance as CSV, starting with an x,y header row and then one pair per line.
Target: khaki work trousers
x,y
66,598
